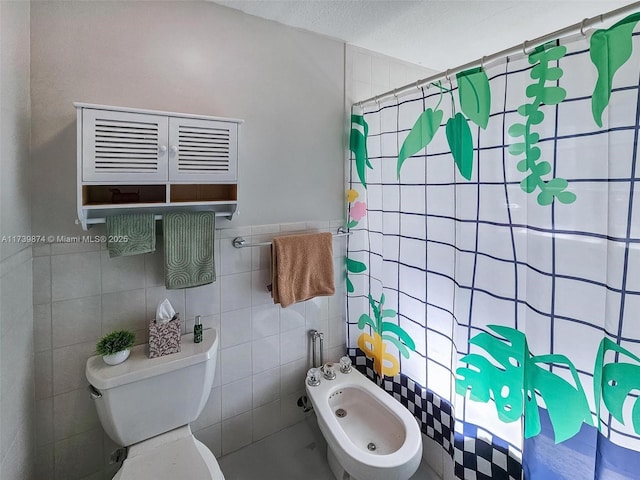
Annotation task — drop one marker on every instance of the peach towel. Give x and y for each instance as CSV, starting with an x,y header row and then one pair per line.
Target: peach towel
x,y
301,267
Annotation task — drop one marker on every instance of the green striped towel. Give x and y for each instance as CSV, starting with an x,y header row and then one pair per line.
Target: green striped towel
x,y
188,249
131,234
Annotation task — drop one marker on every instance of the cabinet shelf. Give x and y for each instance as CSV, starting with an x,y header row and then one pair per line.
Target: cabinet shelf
x,y
203,193
123,194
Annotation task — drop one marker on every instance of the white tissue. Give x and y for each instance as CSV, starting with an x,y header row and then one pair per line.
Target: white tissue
x,y
164,312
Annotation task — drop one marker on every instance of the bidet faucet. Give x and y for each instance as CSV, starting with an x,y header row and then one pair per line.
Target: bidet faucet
x,y
313,377
329,371
345,364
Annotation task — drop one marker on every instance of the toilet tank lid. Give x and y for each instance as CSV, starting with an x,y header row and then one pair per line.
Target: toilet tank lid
x,y
139,366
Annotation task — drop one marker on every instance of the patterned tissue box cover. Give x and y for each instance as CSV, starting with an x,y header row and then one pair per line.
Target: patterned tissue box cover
x,y
164,338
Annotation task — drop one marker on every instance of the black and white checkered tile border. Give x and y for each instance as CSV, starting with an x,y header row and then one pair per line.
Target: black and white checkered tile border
x,y
434,414
478,455
484,458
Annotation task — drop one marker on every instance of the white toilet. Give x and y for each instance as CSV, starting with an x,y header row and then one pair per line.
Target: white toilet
x,y
147,405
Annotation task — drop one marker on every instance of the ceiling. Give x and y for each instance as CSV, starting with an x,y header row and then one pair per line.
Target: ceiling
x,y
437,34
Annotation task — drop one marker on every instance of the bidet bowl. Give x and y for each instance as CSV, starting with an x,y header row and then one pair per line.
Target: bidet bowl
x,y
371,434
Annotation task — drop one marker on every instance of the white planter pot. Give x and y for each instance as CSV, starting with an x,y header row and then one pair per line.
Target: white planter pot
x,y
117,357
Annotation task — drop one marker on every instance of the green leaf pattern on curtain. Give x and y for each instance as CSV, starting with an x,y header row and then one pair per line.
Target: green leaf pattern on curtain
x,y
508,373
519,377
461,144
475,101
420,135
374,345
475,96
540,94
358,145
615,382
354,266
357,211
609,50
514,384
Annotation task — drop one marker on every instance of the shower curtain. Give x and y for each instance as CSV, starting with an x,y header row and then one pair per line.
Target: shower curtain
x,y
493,273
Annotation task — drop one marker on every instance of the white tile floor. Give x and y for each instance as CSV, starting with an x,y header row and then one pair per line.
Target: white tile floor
x,y
295,453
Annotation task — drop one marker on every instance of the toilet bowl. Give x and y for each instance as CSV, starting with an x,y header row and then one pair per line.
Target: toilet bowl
x,y
176,455
370,435
147,405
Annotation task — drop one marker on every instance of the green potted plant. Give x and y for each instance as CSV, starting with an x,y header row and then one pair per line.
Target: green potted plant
x,y
114,347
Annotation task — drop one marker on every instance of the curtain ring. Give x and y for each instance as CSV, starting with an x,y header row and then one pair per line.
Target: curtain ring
x,y
584,20
446,75
524,48
418,85
482,63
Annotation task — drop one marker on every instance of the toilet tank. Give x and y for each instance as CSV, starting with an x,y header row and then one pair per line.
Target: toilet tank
x,y
144,397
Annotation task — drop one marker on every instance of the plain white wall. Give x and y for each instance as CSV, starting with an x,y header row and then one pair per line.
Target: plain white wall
x,y
194,57
15,204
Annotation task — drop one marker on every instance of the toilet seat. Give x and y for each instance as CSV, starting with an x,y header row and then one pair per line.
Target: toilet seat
x,y
176,454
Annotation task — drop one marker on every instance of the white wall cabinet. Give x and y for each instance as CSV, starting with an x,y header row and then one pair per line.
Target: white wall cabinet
x,y
132,159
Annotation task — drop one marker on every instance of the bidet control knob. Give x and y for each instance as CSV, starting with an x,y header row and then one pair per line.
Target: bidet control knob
x,y
329,371
313,377
345,364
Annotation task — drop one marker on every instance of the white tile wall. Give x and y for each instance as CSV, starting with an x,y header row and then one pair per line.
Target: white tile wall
x,y
370,73
440,464
80,294
17,372
237,432
235,327
266,387
75,275
265,354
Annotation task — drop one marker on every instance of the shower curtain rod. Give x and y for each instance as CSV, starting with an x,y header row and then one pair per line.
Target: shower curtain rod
x,y
520,48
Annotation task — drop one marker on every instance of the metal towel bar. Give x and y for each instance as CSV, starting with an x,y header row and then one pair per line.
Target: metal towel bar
x,y
240,242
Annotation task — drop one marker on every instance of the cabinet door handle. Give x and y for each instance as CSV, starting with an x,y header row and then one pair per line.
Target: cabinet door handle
x,y
174,149
162,148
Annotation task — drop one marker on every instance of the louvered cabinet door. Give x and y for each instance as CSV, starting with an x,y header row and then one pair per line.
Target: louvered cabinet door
x,y
124,147
202,150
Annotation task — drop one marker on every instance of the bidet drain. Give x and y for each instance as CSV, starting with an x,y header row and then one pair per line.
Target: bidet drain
x,y
341,413
371,446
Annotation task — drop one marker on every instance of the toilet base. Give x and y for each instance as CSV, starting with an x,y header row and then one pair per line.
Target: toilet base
x,y
338,471
173,455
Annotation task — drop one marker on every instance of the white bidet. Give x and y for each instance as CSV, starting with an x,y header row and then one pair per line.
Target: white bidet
x,y
370,435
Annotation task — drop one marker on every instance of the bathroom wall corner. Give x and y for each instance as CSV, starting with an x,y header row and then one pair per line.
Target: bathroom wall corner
x,y
433,456
17,398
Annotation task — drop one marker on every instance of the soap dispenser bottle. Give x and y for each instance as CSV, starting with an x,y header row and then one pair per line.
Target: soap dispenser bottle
x,y
197,330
